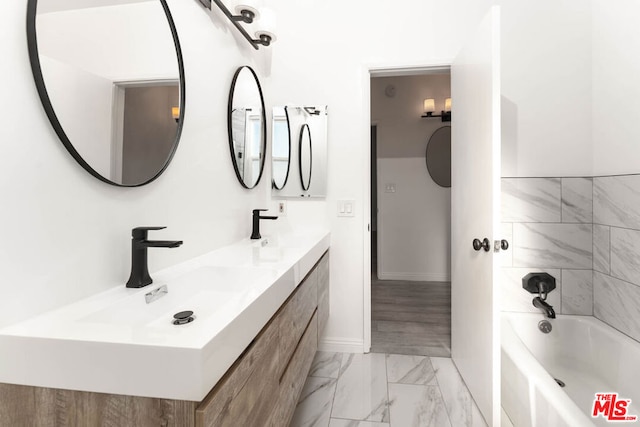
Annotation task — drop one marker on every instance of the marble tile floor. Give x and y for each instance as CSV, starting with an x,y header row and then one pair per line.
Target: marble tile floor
x,y
384,390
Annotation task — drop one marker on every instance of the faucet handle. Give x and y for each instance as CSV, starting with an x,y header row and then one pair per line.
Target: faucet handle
x,y
141,232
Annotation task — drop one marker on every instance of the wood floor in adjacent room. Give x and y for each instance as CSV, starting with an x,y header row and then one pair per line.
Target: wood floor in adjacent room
x,y
411,317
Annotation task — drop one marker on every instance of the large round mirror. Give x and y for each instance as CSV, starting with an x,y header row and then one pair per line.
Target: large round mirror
x,y
439,156
110,77
247,127
305,157
280,147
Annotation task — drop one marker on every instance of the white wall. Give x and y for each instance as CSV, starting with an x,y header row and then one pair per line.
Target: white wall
x,y
328,65
322,56
546,88
66,235
616,87
100,40
85,116
414,222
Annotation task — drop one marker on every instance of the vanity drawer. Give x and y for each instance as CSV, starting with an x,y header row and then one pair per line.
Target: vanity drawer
x,y
247,393
295,316
323,292
295,375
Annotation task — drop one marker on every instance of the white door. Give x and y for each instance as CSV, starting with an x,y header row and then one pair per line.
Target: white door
x,y
475,209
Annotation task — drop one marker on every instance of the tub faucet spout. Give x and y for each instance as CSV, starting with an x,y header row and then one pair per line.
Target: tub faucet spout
x,y
545,307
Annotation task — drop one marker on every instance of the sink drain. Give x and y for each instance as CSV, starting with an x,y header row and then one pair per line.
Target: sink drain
x,y
560,382
183,318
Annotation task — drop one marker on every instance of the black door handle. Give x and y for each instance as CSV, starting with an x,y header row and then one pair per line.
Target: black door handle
x,y
504,245
484,244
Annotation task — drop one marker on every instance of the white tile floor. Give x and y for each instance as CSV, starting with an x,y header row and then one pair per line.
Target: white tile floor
x,y
384,390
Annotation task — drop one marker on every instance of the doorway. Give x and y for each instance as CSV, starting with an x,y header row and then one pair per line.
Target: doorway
x,y
410,218
144,127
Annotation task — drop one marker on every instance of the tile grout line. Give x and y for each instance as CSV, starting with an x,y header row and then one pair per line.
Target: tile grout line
x,y
444,402
335,391
386,374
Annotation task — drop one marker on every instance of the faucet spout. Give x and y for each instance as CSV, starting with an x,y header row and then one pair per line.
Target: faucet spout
x,y
139,276
158,243
545,307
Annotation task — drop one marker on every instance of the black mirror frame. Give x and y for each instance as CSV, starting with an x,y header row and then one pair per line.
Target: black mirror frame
x,y
263,142
34,59
286,177
305,126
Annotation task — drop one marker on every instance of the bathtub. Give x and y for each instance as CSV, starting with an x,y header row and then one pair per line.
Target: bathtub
x,y
583,352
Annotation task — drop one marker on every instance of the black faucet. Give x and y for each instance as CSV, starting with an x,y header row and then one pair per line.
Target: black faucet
x,y
255,232
538,302
541,300
139,270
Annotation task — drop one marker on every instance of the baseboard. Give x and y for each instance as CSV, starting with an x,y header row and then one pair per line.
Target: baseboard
x,y
340,345
415,277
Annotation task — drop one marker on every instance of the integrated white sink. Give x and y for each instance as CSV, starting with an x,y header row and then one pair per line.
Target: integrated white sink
x,y
207,291
116,342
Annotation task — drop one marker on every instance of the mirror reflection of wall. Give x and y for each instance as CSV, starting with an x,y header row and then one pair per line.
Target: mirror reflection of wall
x,y
109,75
280,147
315,163
247,127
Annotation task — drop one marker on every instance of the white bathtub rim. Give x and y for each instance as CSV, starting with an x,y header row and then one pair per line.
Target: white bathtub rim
x,y
538,377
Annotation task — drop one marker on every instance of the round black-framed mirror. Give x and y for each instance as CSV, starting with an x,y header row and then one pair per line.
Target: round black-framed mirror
x,y
305,156
116,102
247,127
280,147
438,156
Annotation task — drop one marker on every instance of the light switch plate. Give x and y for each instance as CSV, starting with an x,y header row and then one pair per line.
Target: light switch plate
x,y
282,208
346,207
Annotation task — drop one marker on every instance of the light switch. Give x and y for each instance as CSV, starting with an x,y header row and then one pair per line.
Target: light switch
x,y
282,208
346,207
390,188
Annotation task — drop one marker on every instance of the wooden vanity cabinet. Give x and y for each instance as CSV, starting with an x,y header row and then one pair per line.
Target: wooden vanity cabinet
x,y
260,389
263,385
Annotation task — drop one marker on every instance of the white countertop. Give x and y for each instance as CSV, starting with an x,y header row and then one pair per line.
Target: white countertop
x,y
114,342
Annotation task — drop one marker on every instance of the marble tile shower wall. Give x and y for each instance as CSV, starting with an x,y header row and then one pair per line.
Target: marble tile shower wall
x,y
583,231
616,252
549,224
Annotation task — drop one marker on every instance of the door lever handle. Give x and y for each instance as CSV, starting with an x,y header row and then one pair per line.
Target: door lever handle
x,y
484,244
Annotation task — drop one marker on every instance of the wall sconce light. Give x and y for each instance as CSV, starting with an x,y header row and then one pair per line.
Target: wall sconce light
x,y
429,106
175,113
313,111
247,14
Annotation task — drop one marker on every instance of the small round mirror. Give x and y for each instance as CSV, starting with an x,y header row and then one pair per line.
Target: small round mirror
x,y
439,156
280,147
247,127
111,80
305,156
